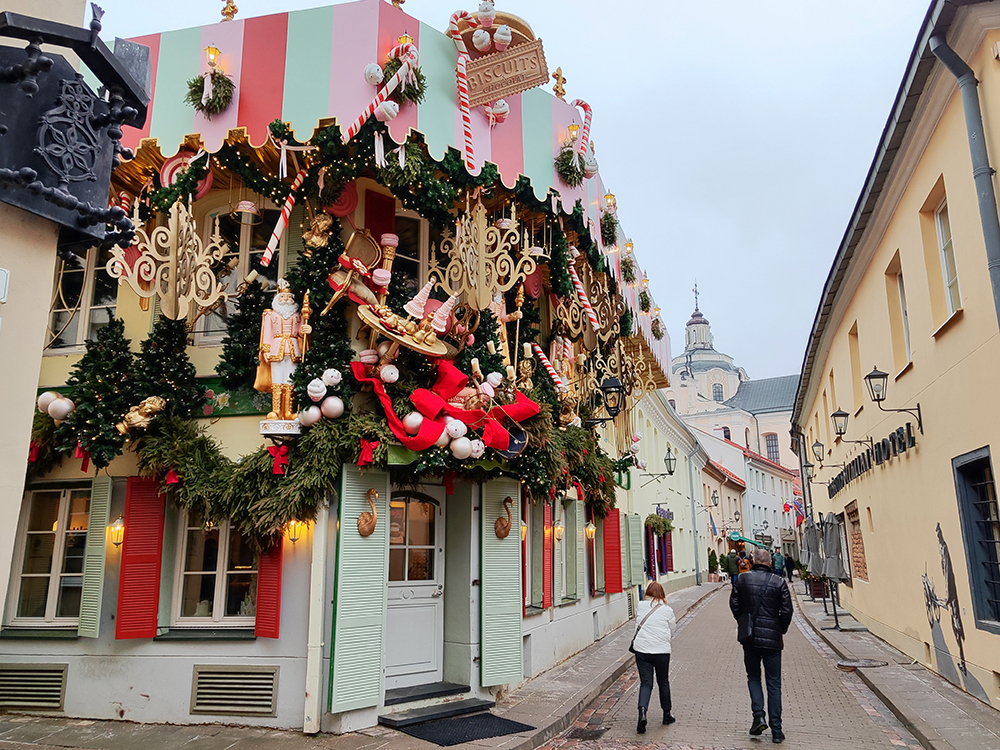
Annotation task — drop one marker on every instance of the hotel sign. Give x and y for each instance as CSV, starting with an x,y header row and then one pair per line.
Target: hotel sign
x,y
899,441
506,73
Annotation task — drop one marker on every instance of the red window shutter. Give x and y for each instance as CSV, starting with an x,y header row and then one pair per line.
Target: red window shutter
x,y
380,214
547,556
650,553
269,592
668,550
142,548
612,553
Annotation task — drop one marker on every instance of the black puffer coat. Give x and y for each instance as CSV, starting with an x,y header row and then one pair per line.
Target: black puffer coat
x,y
775,611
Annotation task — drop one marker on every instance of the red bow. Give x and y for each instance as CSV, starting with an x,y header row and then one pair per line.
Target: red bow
x,y
33,451
83,453
367,451
280,453
449,482
173,477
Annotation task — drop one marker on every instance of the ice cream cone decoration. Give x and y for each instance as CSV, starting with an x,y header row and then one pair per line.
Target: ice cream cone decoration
x,y
415,307
442,317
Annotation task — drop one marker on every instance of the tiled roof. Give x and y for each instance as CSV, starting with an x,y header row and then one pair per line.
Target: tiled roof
x,y
729,475
766,395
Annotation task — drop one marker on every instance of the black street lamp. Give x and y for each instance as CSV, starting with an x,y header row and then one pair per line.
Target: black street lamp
x,y
807,471
840,418
670,460
613,396
818,451
878,383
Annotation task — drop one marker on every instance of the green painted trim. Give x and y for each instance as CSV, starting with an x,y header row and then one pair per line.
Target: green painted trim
x,y
436,114
308,54
336,593
179,61
536,127
94,557
39,634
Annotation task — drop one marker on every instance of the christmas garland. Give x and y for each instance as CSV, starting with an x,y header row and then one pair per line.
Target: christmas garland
x,y
609,229
413,89
43,456
659,524
218,101
625,324
628,270
645,301
569,165
657,329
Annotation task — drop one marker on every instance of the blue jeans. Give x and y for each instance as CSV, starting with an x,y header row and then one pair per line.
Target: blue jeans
x,y
752,658
647,664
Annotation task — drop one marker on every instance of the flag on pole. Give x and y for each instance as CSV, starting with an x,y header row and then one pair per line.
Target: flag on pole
x,y
715,531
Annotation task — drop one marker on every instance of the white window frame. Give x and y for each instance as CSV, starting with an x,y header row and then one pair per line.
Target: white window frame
x,y
85,309
423,257
903,313
946,247
217,619
559,516
206,211
49,620
526,519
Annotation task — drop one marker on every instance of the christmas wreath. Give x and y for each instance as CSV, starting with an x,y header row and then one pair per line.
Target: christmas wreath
x,y
569,165
220,96
413,87
645,301
628,270
659,524
609,229
657,329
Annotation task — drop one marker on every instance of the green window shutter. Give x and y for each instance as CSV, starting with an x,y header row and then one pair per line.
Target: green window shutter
x,y
94,557
571,544
360,595
623,549
581,548
558,592
536,576
293,237
502,658
635,548
599,556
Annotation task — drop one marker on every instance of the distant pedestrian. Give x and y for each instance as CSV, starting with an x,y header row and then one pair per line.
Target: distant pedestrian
x,y
733,565
762,599
655,624
744,561
789,567
778,561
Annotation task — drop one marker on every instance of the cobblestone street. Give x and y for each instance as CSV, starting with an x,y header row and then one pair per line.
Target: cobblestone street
x,y
823,706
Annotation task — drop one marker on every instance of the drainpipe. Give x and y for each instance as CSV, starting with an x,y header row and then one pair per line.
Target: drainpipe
x,y
694,514
981,169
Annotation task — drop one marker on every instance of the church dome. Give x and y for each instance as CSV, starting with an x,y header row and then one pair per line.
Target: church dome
x,y
697,318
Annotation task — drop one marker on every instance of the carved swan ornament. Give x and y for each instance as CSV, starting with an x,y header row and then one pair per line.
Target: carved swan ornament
x,y
502,525
367,521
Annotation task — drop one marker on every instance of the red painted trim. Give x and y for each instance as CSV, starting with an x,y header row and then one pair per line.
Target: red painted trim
x,y
668,551
142,552
612,552
262,75
131,136
392,23
269,592
380,214
547,555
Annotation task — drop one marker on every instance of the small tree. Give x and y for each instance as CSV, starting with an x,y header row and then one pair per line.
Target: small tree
x,y
713,562
163,369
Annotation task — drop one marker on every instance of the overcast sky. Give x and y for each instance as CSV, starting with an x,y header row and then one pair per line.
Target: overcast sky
x,y
735,135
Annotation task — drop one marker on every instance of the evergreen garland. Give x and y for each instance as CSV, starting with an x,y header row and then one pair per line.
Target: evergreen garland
x,y
562,284
103,384
645,301
163,369
43,438
569,165
628,270
609,229
657,329
409,91
222,93
625,324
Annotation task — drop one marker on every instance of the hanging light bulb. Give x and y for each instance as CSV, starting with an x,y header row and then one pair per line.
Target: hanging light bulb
x,y
574,130
609,201
213,53
405,39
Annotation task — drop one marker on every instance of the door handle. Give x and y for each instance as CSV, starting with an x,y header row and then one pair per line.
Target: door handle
x,y
439,591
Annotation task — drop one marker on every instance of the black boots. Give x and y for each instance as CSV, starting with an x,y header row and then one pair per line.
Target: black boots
x,y
759,725
641,726
668,719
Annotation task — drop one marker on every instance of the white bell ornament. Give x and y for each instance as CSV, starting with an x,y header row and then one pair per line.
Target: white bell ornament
x,y
456,428
442,441
388,373
478,448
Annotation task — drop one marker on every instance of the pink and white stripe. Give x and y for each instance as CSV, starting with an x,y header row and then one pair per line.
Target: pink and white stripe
x,y
463,81
591,315
279,228
559,384
588,115
409,55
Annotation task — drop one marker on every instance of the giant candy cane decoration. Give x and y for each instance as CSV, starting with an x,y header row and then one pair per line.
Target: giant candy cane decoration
x,y
556,380
463,81
409,56
279,228
588,115
591,315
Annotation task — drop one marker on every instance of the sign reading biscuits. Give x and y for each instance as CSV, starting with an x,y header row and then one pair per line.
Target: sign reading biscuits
x,y
505,73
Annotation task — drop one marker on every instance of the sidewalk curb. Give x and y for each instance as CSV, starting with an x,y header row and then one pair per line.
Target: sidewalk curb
x,y
563,722
915,725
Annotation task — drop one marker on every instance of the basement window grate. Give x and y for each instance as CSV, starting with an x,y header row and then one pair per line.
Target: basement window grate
x,y
36,687
234,691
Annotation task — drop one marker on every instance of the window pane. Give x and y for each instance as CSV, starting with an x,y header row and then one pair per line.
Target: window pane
x,y
397,522
34,592
241,555
397,563
421,522
44,511
105,287
421,565
241,595
202,552
76,545
99,317
38,550
79,510
198,596
408,231
260,234
63,328
944,225
70,591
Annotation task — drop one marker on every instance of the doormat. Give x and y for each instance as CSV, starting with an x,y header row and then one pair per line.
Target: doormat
x,y
455,731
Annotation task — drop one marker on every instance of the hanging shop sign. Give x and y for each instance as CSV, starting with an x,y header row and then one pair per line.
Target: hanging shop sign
x,y
506,73
898,441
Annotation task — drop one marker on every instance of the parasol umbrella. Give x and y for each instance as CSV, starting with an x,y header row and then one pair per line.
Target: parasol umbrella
x,y
833,565
813,560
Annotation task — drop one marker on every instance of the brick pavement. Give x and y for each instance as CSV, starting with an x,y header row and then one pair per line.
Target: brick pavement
x,y
823,707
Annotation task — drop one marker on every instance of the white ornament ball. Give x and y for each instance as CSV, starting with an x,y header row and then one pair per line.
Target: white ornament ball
x,y
310,416
412,422
478,448
442,441
461,448
388,373
332,377
332,407
45,399
456,428
481,40
316,389
634,447
386,111
61,408
374,74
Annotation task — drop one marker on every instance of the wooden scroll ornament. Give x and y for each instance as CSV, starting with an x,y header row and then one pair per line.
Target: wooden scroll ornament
x,y
367,521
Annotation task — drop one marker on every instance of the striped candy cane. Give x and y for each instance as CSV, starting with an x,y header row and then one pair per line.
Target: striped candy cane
x,y
279,228
463,80
591,315
588,114
409,55
560,385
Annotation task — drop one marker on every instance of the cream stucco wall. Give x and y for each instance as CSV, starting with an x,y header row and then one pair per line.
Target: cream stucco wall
x,y
951,375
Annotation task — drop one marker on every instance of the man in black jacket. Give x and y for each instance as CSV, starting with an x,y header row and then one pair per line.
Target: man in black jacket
x,y
765,597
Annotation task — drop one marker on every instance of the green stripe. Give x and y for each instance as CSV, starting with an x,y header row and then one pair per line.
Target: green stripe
x,y
180,53
94,558
307,69
436,115
536,126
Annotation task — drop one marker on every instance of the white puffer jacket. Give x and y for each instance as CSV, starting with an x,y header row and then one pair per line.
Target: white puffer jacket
x,y
654,636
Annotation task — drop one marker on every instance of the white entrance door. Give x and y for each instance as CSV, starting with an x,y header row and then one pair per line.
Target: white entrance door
x,y
414,644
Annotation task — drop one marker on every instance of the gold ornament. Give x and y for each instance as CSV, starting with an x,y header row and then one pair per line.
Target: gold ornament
x,y
140,416
229,11
174,264
558,89
367,521
319,231
501,527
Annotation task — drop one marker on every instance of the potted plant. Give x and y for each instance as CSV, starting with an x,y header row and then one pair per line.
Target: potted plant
x,y
713,567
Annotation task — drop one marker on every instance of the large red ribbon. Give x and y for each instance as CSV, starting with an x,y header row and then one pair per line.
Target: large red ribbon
x,y
280,453
172,476
83,453
33,450
367,451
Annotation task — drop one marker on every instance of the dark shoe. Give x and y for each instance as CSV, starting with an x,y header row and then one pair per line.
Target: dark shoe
x,y
759,725
669,719
641,726
777,737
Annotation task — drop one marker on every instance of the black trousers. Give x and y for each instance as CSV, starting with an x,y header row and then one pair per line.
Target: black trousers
x,y
647,665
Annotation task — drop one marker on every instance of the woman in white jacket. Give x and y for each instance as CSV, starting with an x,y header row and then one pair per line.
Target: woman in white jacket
x,y
655,623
